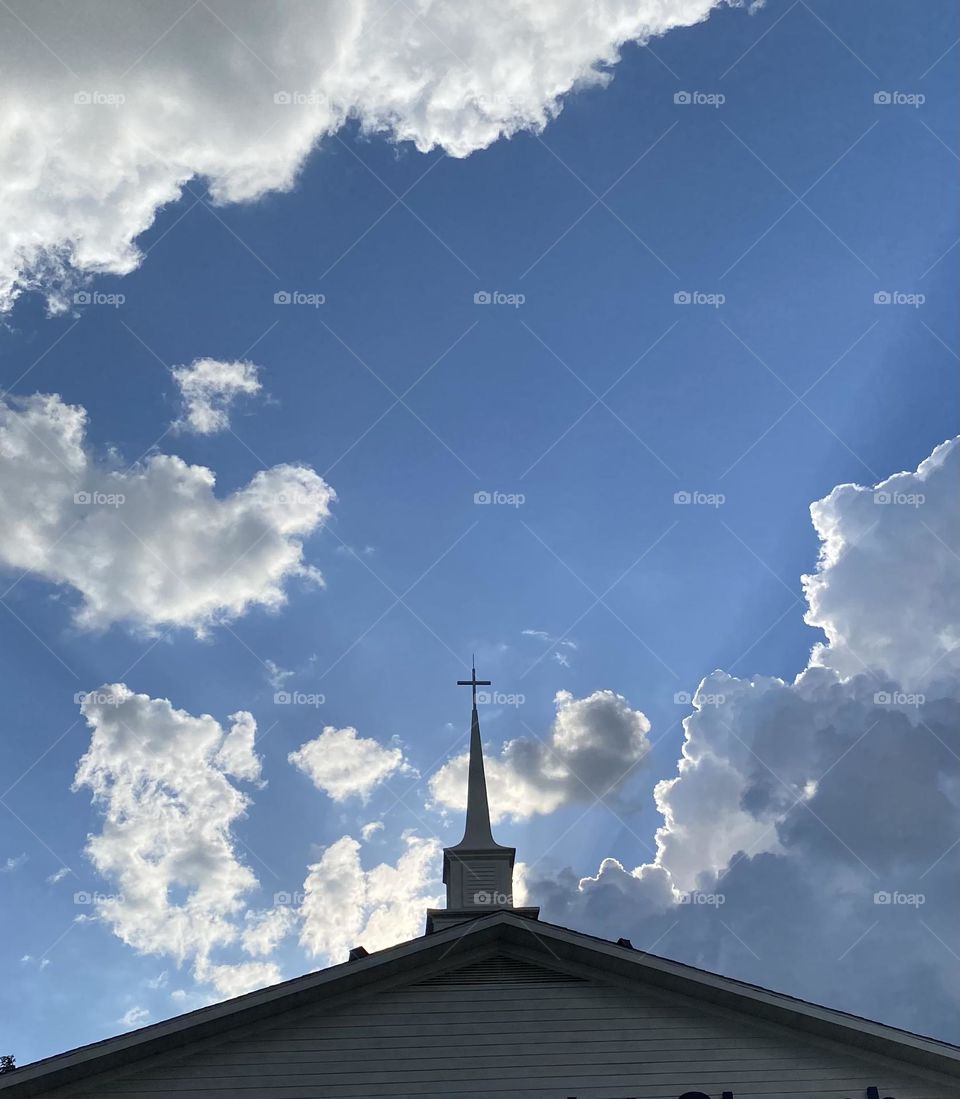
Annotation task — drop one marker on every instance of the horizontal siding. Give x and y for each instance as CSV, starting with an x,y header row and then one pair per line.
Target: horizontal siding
x,y
573,1052
512,1030
547,1086
608,1042
521,1068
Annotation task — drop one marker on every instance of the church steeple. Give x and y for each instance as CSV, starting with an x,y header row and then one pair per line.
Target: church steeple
x,y
476,832
478,871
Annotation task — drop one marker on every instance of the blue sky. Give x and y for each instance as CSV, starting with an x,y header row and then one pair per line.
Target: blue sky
x,y
798,198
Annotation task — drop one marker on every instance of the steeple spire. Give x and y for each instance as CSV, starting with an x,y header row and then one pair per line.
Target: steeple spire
x,y
477,831
478,871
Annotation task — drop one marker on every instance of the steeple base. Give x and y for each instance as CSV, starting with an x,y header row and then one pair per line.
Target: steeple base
x,y
439,919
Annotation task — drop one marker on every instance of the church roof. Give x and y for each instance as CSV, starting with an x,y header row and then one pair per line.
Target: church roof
x,y
502,933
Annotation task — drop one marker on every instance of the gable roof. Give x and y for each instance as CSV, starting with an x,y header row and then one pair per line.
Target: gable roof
x,y
504,931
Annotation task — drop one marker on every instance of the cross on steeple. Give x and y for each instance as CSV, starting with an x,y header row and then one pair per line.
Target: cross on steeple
x,y
473,681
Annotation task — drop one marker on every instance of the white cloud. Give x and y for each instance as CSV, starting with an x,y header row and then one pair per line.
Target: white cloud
x,y
12,862
209,389
344,765
796,803
346,906
59,875
560,648
265,930
885,590
348,551
135,1017
368,831
236,979
161,778
545,635
105,120
593,745
29,959
151,544
276,676
236,755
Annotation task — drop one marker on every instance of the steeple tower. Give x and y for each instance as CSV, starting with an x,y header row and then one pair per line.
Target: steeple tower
x,y
478,871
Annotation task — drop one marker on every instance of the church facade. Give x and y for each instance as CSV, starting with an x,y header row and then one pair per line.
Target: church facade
x,y
491,1001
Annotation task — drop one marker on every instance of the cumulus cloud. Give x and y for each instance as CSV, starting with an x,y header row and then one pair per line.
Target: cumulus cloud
x,y
107,119
593,745
239,977
265,930
209,389
343,764
162,781
151,545
885,590
235,755
809,840
346,906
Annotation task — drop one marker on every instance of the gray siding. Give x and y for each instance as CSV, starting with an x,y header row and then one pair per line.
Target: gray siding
x,y
506,1028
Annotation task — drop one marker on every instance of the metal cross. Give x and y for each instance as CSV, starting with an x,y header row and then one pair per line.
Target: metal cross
x,y
473,681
